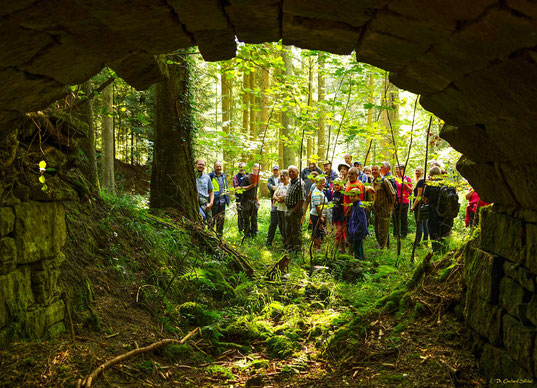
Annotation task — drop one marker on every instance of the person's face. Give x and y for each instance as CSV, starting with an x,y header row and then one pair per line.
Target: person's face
x,y
337,187
397,171
320,184
359,167
367,171
276,172
348,159
284,178
354,196
383,170
293,174
241,168
218,168
418,173
375,171
343,172
200,166
327,167
353,176
312,166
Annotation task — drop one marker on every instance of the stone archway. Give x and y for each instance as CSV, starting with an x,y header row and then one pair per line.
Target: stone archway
x,y
473,63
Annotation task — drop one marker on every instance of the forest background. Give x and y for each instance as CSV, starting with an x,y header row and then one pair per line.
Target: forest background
x,y
271,104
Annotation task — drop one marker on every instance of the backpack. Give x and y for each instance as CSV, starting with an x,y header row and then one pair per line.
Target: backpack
x,y
448,202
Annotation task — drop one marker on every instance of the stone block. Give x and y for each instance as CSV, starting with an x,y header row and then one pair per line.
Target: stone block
x,y
516,180
45,286
484,179
255,22
524,277
39,230
511,295
54,313
484,318
15,294
464,138
56,330
530,249
482,274
8,255
531,310
502,234
7,220
32,324
519,341
48,264
490,360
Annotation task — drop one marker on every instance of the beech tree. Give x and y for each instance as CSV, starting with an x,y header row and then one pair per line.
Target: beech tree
x,y
173,182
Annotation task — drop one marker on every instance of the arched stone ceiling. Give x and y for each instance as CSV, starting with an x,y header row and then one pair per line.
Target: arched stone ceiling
x,y
473,62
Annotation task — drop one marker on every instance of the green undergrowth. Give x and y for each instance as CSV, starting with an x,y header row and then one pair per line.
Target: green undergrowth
x,y
323,303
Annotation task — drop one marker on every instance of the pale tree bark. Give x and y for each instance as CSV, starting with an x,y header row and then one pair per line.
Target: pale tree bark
x,y
87,143
227,101
370,110
321,87
253,118
245,108
108,139
390,96
289,154
264,116
173,183
309,148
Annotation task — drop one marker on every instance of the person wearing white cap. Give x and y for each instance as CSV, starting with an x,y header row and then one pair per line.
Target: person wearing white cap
x,y
272,183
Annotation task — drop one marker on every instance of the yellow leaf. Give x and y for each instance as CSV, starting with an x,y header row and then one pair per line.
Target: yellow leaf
x,y
42,164
42,179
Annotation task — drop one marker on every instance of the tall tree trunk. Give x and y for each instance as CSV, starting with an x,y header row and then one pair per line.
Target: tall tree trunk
x,y
309,148
245,108
370,111
173,183
87,143
289,154
321,86
264,116
390,97
108,139
253,127
226,86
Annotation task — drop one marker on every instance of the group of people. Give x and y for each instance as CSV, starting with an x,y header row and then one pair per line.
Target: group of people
x,y
345,200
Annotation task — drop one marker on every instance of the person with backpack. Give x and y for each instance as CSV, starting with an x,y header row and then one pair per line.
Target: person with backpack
x,y
442,202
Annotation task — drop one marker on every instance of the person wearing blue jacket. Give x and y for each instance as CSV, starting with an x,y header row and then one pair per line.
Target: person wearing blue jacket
x,y
221,198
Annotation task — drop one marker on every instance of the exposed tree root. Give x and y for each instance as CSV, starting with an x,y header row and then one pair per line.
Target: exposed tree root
x,y
86,383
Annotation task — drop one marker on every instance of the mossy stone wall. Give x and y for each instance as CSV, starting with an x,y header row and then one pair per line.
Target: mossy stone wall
x,y
500,277
31,236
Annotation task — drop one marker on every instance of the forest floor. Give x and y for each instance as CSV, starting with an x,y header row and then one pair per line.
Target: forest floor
x,y
134,279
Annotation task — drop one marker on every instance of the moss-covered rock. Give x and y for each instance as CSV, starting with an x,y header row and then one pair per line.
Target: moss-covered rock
x,y
39,230
15,294
279,346
196,314
7,220
8,255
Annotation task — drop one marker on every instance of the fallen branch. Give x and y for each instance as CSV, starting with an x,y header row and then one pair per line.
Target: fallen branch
x,y
276,270
93,375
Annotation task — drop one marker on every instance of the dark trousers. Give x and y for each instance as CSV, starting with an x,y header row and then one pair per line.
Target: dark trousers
x,y
358,248
422,228
400,224
282,225
294,230
273,225
439,229
218,212
239,217
249,217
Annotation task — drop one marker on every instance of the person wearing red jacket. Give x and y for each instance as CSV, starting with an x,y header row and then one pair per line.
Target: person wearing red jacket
x,y
474,204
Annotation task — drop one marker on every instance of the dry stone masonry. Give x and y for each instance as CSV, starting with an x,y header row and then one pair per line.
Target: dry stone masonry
x,y
474,63
501,295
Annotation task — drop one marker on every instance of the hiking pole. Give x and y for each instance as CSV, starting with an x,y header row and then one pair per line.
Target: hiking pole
x,y
423,191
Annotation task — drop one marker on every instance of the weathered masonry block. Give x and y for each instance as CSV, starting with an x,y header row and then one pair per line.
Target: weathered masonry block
x,y
501,295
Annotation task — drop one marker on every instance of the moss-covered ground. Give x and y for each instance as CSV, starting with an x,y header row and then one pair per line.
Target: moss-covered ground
x,y
133,278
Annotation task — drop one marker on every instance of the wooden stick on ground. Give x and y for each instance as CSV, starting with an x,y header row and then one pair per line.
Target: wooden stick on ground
x,y
96,372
